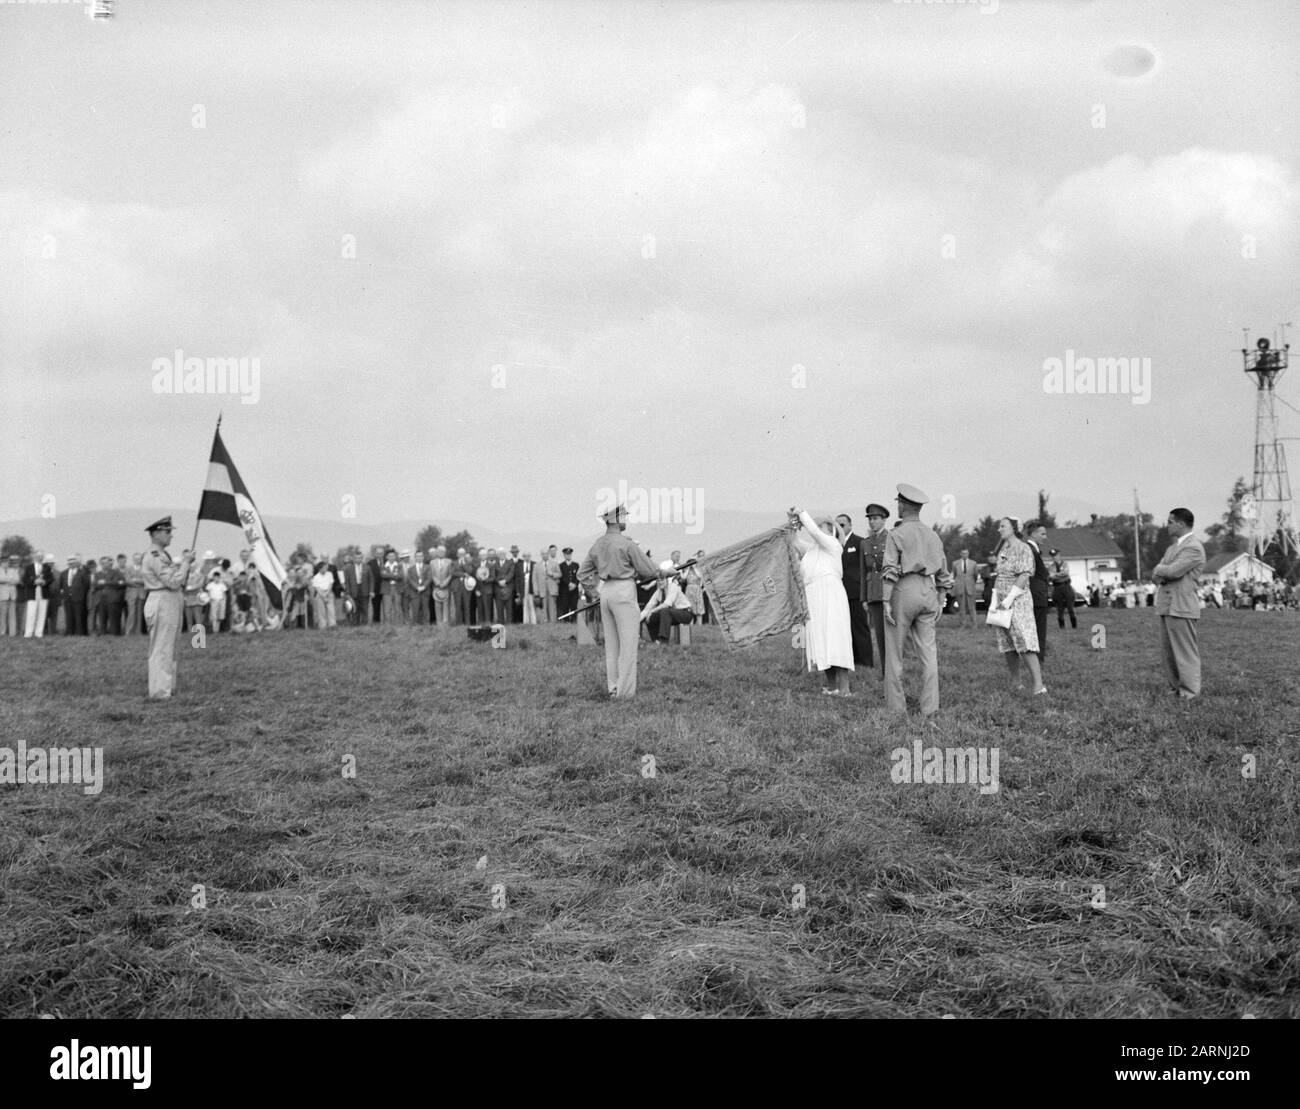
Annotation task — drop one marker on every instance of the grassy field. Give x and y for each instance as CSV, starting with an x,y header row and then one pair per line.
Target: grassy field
x,y
484,774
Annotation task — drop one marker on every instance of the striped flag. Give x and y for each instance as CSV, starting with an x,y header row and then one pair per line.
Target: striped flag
x,y
226,500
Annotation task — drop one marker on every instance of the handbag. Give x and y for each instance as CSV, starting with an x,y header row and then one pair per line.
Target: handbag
x,y
998,617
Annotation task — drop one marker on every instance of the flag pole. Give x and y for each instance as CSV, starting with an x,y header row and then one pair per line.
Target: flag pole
x,y
1137,535
195,538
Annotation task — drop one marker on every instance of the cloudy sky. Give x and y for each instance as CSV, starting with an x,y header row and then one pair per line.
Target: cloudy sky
x,y
491,258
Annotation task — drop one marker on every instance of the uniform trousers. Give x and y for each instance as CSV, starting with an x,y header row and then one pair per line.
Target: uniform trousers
x,y
915,606
162,615
876,618
1182,656
620,619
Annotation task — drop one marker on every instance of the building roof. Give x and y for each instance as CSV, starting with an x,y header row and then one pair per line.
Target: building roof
x,y
1082,543
1227,558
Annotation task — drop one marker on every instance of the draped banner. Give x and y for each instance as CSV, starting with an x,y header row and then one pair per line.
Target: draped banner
x,y
226,500
756,587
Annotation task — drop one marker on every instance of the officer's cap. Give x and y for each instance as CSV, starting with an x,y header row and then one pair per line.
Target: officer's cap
x,y
165,524
911,494
567,550
877,510
611,517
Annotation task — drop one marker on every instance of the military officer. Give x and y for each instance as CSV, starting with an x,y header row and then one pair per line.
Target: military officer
x,y
611,569
164,583
872,549
915,578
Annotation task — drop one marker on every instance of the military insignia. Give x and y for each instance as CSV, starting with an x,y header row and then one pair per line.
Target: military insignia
x,y
769,585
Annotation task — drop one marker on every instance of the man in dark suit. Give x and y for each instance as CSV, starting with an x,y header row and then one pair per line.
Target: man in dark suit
x,y
506,588
567,601
1040,583
354,585
373,585
116,591
75,582
851,560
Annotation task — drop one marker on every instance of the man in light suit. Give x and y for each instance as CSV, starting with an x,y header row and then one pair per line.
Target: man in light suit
x,y
966,585
528,576
551,568
1178,607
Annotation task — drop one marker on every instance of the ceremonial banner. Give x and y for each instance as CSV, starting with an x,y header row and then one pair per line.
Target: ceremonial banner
x,y
226,500
756,587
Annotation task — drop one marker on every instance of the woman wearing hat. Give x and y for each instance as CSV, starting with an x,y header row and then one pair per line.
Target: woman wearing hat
x,y
1011,591
827,637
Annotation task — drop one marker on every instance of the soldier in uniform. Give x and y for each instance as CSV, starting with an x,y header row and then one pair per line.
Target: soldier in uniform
x,y
872,555
164,583
915,579
610,570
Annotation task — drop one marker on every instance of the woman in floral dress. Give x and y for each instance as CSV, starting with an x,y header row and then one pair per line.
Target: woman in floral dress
x,y
1011,590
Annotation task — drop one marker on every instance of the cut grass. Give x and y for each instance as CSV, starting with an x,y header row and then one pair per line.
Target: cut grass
x,y
625,894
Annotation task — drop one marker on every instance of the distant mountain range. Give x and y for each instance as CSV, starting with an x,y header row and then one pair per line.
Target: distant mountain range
x,y
113,531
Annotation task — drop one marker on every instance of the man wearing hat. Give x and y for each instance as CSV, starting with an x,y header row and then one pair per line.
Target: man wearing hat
x,y
164,583
610,570
872,557
567,598
915,578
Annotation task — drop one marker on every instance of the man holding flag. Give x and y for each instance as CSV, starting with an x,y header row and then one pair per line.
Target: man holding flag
x,y
226,500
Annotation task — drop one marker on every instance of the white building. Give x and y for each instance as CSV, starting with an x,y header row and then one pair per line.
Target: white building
x,y
1091,558
1235,566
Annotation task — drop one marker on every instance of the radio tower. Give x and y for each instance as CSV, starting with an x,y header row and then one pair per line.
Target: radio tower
x,y
1273,516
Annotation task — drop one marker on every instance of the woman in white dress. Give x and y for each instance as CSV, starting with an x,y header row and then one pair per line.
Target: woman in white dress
x,y
828,640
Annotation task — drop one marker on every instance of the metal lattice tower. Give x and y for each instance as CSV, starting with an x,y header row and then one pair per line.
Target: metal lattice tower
x,y
1273,517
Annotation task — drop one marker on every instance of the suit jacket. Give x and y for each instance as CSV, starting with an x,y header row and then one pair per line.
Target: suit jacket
x,y
373,581
1040,581
32,574
526,577
1178,573
871,562
418,577
354,580
79,589
551,568
965,579
506,576
851,560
